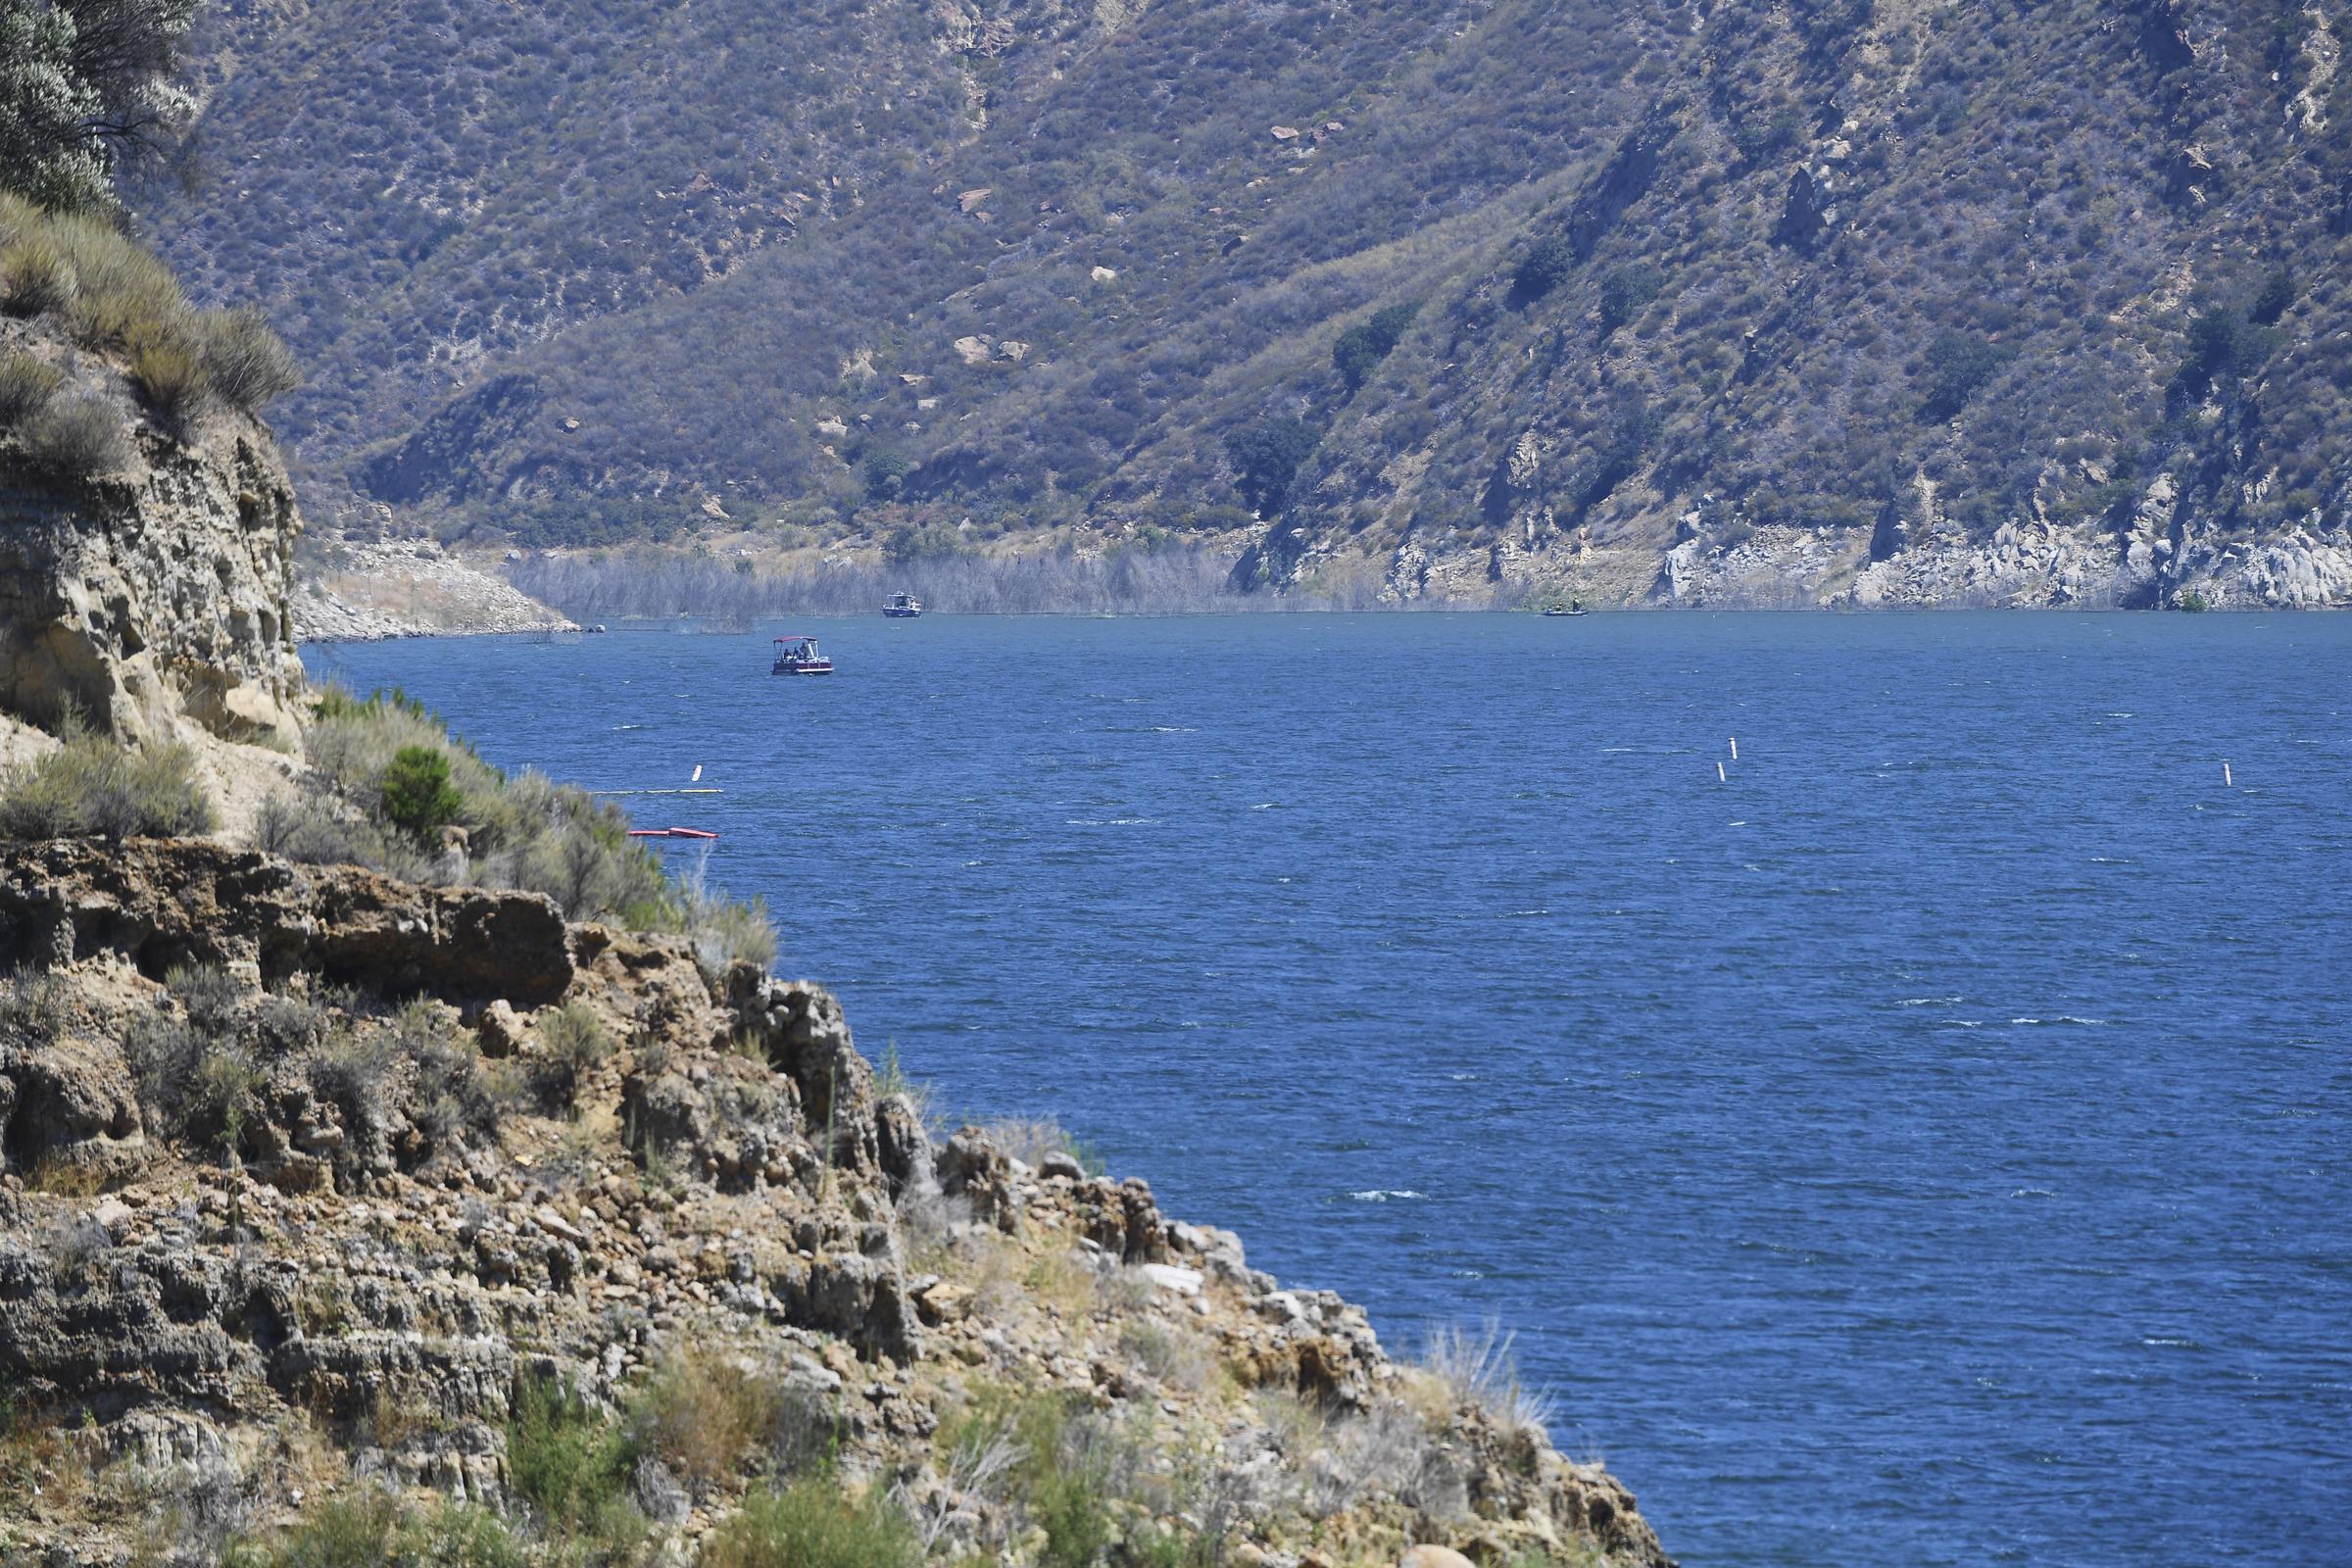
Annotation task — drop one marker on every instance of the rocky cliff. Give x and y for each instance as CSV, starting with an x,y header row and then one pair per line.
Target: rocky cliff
x,y
145,576
313,1183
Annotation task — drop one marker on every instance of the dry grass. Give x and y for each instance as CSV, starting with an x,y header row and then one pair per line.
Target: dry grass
x,y
115,297
1479,1369
710,1419
1177,1357
25,387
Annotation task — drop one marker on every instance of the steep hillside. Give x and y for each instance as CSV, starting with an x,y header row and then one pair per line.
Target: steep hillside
x,y
1884,302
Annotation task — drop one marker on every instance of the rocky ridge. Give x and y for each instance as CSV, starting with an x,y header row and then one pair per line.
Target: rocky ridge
x,y
468,1148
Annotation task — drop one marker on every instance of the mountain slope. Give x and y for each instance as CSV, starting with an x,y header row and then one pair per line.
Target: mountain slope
x,y
1891,301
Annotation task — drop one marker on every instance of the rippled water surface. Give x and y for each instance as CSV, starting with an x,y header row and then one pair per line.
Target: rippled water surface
x,y
1926,1144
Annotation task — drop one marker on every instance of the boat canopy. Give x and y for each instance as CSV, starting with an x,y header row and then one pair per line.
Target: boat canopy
x,y
781,640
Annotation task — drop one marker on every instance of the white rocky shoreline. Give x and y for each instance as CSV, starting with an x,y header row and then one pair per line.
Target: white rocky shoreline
x,y
385,589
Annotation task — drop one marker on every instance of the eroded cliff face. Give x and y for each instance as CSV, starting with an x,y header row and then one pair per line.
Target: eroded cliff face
x,y
150,593
307,1175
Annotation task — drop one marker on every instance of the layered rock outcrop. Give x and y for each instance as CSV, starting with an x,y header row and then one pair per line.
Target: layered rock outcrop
x,y
155,590
308,1239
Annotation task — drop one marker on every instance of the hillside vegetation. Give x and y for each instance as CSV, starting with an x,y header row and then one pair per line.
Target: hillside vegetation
x,y
1448,296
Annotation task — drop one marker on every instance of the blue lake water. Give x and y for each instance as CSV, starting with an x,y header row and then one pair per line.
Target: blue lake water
x,y
1926,1144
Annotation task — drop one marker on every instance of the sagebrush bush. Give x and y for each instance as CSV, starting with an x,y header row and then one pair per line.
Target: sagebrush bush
x,y
376,1529
449,1098
77,439
25,387
573,1043
308,829
32,1007
92,784
193,1084
815,1523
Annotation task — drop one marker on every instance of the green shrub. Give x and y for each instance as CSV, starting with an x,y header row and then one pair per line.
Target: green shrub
x,y
2222,343
77,439
25,387
1625,291
35,277
93,785
911,542
245,361
376,1529
568,1464
416,795
814,1524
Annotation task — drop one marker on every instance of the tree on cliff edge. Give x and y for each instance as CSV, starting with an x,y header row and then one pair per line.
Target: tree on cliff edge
x,y
82,83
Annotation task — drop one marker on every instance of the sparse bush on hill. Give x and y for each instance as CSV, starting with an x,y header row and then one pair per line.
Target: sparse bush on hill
x,y
95,785
35,278
1958,364
244,359
168,374
375,1528
815,1523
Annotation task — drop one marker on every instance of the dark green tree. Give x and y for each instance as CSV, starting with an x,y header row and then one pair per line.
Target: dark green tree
x,y
417,795
1958,364
1545,269
1361,347
1266,458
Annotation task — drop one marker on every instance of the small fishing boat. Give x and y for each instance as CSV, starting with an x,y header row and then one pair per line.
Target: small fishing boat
x,y
670,833
1573,607
902,607
800,656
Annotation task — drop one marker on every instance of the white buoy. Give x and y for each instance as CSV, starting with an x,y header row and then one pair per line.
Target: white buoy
x,y
2227,783
1719,774
697,774
1734,748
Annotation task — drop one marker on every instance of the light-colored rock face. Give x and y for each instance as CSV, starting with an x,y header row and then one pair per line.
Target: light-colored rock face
x,y
2027,562
156,595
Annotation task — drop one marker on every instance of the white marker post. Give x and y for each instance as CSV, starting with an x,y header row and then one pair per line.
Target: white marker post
x,y
1734,748
697,774
1719,774
2226,782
